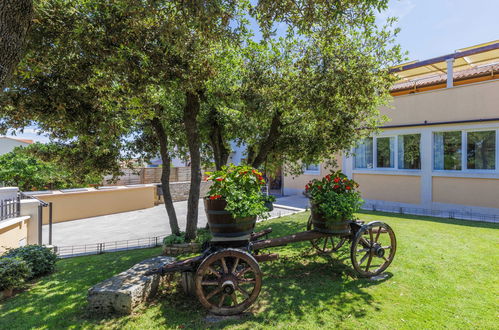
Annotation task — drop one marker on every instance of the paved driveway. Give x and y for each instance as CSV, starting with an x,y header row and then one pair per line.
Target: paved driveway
x,y
144,223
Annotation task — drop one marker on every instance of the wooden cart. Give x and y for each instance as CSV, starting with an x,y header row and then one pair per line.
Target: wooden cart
x,y
228,279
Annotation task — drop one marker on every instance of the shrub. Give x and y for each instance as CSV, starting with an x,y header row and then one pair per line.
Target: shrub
x,y
174,239
202,236
13,273
40,259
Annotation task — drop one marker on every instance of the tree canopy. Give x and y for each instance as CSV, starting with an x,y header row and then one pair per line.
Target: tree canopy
x,y
176,78
37,167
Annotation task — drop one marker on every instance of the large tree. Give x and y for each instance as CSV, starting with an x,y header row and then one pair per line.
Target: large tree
x,y
15,20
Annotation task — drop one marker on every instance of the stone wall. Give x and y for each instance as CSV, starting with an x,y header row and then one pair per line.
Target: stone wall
x,y
180,190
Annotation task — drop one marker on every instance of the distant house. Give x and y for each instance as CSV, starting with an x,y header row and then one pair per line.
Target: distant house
x,y
7,144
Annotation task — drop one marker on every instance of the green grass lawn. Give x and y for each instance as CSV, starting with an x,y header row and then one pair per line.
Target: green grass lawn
x,y
445,275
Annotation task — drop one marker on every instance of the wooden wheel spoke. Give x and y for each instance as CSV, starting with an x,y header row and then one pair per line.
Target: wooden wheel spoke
x,y
386,247
224,265
363,250
209,283
371,235
221,302
214,272
214,292
384,258
325,244
247,280
244,271
234,266
377,235
369,261
244,292
365,243
364,258
234,298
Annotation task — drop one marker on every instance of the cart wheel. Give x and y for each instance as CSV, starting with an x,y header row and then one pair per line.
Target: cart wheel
x,y
373,249
228,282
327,244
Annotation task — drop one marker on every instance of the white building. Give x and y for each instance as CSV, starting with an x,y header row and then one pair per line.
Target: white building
x,y
7,144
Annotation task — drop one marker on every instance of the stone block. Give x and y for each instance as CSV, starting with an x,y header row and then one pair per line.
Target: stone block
x,y
125,291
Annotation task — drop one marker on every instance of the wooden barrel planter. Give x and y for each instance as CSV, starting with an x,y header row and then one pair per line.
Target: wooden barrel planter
x,y
323,225
221,222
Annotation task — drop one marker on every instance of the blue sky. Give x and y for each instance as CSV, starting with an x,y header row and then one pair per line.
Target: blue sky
x,y
429,28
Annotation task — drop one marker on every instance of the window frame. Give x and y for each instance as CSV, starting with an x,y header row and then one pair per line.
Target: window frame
x,y
464,150
313,172
398,168
433,132
395,161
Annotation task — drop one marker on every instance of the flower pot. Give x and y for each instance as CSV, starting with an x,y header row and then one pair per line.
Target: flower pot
x,y
269,206
221,222
6,293
330,226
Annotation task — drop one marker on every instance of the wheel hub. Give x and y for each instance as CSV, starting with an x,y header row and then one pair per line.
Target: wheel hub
x,y
228,287
379,251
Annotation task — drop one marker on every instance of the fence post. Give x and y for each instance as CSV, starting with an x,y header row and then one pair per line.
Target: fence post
x,y
50,223
40,223
18,205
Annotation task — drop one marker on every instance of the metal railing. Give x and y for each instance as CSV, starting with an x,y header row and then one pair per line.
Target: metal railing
x,y
450,214
99,248
10,208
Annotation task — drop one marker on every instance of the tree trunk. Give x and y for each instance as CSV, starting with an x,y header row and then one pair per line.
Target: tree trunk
x,y
220,152
191,111
15,20
165,175
268,144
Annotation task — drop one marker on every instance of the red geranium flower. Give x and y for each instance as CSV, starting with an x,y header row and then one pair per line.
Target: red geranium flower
x,y
348,188
336,180
336,186
319,187
219,179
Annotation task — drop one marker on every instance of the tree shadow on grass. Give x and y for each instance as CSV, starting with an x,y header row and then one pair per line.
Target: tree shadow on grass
x,y
468,223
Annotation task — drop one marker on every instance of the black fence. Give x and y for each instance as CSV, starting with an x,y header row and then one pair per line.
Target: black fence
x,y
99,248
450,214
10,208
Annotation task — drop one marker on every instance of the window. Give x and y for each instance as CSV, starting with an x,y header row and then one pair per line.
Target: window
x,y
481,150
385,152
364,154
409,152
447,150
312,169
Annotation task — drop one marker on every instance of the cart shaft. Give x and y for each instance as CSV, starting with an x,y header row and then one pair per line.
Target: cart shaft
x,y
284,240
